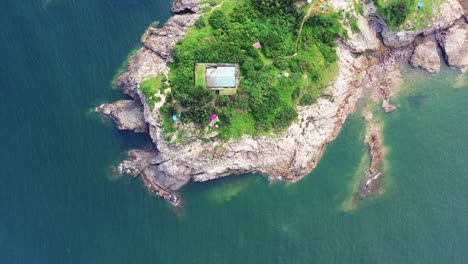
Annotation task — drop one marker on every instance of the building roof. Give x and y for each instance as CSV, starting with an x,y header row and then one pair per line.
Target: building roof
x,y
221,77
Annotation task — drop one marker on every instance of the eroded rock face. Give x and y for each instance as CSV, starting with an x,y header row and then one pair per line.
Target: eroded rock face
x,y
145,63
425,56
127,115
185,5
161,41
454,41
444,17
365,40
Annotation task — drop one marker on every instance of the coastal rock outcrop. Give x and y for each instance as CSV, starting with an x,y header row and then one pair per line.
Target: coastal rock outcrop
x,y
443,17
161,41
425,56
185,5
139,161
289,156
454,41
293,153
127,115
143,64
364,40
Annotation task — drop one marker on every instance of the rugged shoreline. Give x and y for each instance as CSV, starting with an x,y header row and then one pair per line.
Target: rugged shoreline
x,y
290,156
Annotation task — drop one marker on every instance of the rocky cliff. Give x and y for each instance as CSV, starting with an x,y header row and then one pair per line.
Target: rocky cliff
x,y
454,41
289,156
444,16
425,55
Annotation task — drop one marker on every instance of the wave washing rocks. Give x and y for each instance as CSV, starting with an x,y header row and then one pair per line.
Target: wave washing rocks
x,y
167,167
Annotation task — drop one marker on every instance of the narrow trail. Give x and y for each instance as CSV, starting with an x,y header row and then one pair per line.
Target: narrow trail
x,y
214,7
309,11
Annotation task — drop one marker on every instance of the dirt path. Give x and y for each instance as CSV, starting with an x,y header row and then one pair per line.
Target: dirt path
x,y
309,11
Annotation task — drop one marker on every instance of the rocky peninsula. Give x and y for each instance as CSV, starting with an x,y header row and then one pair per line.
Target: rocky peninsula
x,y
366,61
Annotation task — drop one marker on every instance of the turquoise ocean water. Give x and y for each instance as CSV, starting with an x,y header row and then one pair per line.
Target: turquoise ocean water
x,y
60,204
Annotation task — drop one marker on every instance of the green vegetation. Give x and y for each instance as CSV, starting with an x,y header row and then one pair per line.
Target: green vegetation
x,y
354,26
200,75
395,12
149,88
274,79
405,14
358,7
352,20
206,9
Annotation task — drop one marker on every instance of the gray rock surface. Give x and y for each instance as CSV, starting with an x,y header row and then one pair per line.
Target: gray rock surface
x,y
185,5
444,17
139,161
425,55
161,41
364,40
145,63
454,41
127,115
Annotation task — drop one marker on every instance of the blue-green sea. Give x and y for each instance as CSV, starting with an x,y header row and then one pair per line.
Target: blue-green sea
x,y
60,203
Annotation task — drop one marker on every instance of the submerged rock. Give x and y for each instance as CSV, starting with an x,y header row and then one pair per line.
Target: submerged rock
x,y
425,56
387,107
454,41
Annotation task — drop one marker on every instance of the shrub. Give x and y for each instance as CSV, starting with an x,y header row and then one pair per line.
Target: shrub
x,y
282,63
213,3
395,12
218,20
354,26
307,99
358,8
284,118
200,23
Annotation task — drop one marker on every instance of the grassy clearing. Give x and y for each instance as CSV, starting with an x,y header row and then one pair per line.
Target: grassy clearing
x,y
420,18
405,14
200,75
150,88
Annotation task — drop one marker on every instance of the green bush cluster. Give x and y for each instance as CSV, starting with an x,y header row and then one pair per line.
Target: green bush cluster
x,y
395,12
284,7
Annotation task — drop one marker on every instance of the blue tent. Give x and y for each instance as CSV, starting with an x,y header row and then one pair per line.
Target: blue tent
x,y
421,5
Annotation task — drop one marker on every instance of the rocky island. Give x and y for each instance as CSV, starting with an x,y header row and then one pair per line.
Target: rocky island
x,y
372,42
